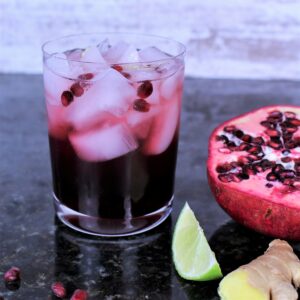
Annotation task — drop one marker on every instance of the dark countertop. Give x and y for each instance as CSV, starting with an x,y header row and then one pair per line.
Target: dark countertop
x,y
129,268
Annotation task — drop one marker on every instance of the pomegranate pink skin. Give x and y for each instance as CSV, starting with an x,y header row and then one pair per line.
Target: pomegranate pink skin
x,y
262,214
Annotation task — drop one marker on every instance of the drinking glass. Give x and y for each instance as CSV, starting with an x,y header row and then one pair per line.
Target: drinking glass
x,y
113,104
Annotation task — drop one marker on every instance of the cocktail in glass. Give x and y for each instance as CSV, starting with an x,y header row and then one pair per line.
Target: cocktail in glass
x,y
113,103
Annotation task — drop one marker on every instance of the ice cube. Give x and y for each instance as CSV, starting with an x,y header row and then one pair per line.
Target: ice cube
x,y
115,52
140,122
54,84
104,46
172,85
104,143
112,93
152,54
162,129
122,53
130,55
92,54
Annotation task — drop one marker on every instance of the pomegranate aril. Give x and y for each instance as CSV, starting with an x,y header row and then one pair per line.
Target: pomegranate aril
x,y
287,137
290,145
275,145
231,145
224,168
287,174
258,168
267,124
249,170
224,150
145,89
117,68
291,129
236,178
58,289
12,274
247,138
269,185
229,128
79,295
253,157
272,176
223,138
244,147
295,122
86,76
77,89
66,98
289,114
266,164
272,132
141,105
275,114
288,181
278,168
238,133
255,150
258,140
286,159
274,120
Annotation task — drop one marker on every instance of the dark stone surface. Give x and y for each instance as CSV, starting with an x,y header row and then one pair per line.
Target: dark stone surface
x,y
130,268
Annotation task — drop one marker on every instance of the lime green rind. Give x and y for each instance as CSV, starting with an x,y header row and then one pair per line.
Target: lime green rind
x,y
199,250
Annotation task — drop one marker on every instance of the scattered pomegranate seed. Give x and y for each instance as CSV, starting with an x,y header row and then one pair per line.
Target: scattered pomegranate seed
x,y
58,289
79,295
117,68
141,105
13,274
66,98
86,76
77,89
269,185
145,89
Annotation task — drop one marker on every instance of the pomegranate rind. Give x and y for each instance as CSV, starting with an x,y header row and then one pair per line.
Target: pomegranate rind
x,y
274,212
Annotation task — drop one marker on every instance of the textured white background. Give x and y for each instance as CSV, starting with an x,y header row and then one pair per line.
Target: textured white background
x,y
225,38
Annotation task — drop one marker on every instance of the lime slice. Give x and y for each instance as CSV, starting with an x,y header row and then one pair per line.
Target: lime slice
x,y
192,256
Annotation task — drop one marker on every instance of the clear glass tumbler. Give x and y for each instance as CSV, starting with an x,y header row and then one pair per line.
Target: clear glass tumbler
x,y
113,103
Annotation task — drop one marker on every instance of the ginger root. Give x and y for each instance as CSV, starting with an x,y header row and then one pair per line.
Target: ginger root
x,y
274,275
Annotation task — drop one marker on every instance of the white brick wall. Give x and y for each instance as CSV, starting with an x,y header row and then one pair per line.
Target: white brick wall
x,y
232,38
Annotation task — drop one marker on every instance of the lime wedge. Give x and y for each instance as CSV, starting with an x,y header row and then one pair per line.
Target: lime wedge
x,y
192,256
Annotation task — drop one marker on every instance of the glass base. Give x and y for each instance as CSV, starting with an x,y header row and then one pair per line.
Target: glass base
x,y
110,227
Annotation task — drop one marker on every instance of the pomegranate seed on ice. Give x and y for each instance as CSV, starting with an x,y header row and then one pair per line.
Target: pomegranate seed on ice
x,y
141,105
58,289
66,98
77,89
145,89
117,68
86,76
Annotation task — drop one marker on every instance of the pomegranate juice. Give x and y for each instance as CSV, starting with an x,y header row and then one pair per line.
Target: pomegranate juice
x,y
113,118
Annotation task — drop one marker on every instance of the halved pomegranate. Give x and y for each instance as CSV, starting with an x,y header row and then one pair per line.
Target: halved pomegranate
x,y
254,169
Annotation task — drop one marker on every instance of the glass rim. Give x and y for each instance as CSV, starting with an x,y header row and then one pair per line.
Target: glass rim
x,y
182,50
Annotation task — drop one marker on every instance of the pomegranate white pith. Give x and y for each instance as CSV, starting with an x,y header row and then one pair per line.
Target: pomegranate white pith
x,y
252,191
